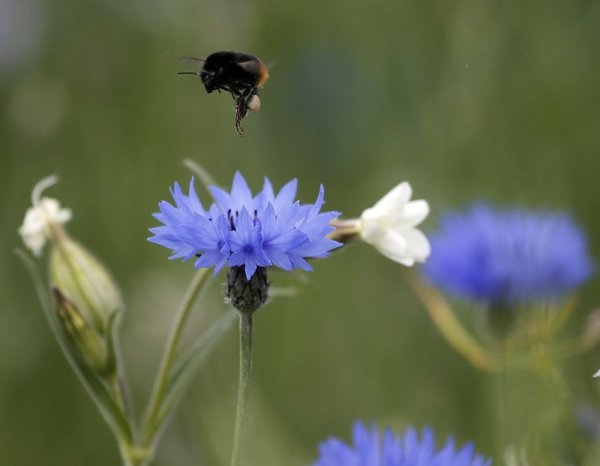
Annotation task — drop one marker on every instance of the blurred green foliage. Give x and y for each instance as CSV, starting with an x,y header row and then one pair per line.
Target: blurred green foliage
x,y
466,100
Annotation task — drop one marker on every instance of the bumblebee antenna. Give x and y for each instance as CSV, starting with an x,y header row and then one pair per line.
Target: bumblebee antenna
x,y
189,72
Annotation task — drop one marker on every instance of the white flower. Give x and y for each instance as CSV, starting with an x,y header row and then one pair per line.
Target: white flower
x,y
390,226
597,374
39,218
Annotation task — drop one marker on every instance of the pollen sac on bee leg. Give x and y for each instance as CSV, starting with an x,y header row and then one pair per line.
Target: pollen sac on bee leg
x,y
254,103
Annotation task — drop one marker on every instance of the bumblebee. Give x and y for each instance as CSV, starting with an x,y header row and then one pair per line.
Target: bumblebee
x,y
239,74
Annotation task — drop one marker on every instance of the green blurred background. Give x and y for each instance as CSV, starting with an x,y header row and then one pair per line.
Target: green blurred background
x,y
467,100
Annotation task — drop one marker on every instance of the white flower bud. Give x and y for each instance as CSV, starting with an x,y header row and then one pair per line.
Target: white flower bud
x,y
39,219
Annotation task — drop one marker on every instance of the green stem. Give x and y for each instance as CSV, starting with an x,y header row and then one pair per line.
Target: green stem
x,y
151,426
121,392
245,366
450,327
133,455
561,405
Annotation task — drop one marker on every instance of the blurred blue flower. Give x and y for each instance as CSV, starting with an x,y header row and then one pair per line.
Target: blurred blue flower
x,y
371,449
508,257
240,229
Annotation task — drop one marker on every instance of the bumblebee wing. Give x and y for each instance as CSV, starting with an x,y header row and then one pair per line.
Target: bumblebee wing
x,y
256,68
189,59
251,66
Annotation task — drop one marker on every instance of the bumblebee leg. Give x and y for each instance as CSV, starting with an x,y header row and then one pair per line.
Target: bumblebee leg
x,y
241,107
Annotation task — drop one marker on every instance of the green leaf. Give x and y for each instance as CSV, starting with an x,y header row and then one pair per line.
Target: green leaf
x,y
196,287
191,362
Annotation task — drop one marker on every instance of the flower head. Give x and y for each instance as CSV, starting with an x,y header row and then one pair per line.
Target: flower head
x,y
240,229
508,257
408,449
390,226
39,218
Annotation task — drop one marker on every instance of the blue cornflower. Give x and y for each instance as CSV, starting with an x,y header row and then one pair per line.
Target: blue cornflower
x,y
242,230
409,449
508,257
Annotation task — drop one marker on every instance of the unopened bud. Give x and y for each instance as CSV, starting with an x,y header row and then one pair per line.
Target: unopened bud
x,y
85,343
247,295
85,282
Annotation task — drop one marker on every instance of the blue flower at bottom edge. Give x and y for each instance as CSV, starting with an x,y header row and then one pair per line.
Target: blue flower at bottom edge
x,y
239,229
369,448
508,257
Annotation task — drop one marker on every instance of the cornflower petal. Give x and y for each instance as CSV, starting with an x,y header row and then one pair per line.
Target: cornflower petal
x,y
408,449
189,204
285,196
222,199
231,203
317,228
299,262
278,238
240,192
265,196
316,207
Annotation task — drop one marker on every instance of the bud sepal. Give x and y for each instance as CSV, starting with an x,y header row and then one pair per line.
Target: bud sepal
x,y
85,281
85,343
247,295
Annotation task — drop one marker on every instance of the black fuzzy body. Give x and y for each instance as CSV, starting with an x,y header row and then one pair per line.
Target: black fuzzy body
x,y
234,72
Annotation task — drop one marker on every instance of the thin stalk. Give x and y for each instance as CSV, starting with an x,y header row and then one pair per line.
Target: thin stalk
x,y
244,382
450,327
121,392
151,426
117,380
560,414
205,178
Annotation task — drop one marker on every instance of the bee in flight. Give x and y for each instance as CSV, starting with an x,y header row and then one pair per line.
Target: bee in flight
x,y
237,73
